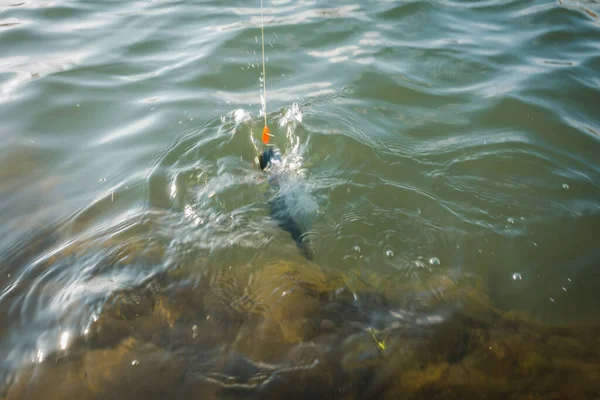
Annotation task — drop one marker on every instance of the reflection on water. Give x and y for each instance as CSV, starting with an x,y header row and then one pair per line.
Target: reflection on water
x,y
441,156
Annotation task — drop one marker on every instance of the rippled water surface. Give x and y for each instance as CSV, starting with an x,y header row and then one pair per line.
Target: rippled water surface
x,y
428,146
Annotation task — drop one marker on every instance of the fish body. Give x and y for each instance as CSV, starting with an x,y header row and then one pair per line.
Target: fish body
x,y
289,203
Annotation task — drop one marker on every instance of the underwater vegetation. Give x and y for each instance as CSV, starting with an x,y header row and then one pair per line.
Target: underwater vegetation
x,y
284,329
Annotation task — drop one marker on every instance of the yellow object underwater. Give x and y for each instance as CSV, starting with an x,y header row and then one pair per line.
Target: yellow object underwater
x,y
380,344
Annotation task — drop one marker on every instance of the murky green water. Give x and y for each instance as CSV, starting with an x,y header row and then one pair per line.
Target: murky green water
x,y
446,154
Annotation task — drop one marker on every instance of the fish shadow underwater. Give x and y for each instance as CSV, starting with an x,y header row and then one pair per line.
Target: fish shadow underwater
x,y
291,205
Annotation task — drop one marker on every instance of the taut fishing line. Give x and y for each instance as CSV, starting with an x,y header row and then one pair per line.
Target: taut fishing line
x,y
266,133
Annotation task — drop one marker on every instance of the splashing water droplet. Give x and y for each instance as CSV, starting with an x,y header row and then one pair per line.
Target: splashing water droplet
x,y
517,276
434,261
291,118
40,356
64,340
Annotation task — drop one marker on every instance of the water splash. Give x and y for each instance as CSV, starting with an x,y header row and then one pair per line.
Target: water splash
x,y
292,160
237,117
292,116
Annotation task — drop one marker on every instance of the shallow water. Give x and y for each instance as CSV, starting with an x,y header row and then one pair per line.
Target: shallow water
x,y
432,142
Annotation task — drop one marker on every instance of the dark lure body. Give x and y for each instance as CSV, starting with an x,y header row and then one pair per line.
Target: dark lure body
x,y
286,208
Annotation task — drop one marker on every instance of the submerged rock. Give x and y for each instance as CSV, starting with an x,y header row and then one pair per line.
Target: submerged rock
x,y
130,370
286,330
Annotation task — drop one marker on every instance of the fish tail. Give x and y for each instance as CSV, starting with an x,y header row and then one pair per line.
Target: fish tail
x,y
305,249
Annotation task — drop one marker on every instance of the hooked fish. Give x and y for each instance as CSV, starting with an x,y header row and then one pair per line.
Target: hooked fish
x,y
287,207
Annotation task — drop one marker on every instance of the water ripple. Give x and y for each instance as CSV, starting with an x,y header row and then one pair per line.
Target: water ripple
x,y
465,132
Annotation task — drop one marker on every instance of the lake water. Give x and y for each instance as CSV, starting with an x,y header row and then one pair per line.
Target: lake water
x,y
445,146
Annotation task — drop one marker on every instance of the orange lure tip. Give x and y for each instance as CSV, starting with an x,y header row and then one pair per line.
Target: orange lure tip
x,y
266,135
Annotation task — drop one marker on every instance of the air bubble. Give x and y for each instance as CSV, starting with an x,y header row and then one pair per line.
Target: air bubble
x,y
357,249
566,186
434,261
517,276
389,253
135,363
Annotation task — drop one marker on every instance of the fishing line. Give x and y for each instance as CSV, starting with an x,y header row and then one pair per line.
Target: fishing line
x,y
266,133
